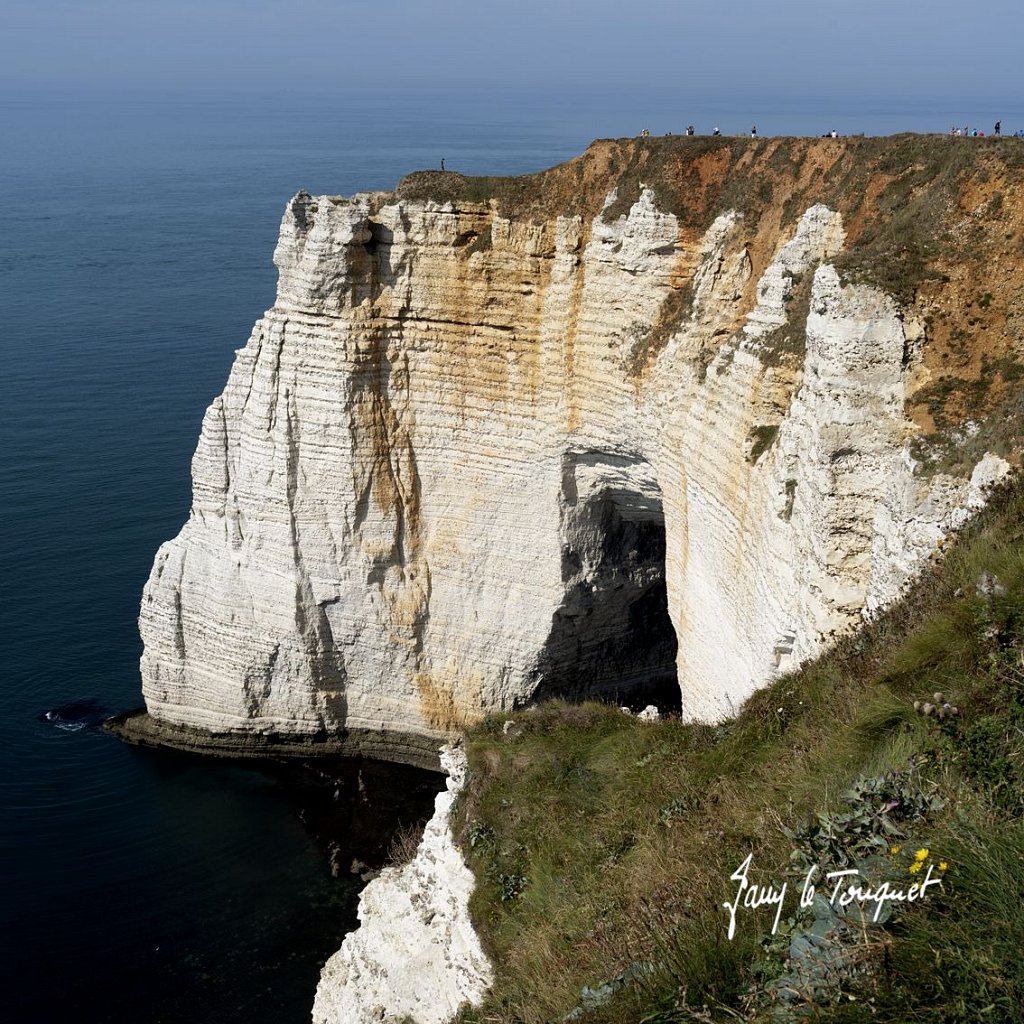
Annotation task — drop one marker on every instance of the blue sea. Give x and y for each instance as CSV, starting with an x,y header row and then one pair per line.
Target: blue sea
x,y
135,252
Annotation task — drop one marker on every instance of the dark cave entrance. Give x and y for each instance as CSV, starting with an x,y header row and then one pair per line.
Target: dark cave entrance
x,y
612,638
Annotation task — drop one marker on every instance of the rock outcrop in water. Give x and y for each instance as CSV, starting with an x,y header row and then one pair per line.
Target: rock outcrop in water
x,y
641,421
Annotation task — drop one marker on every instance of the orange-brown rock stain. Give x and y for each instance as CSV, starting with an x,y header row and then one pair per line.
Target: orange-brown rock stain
x,y
441,708
967,293
570,393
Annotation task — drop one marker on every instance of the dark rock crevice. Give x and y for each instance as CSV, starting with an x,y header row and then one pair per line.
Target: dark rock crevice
x,y
611,638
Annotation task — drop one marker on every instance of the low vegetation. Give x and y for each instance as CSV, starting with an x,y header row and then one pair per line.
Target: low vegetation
x,y
603,846
971,415
648,343
760,440
787,345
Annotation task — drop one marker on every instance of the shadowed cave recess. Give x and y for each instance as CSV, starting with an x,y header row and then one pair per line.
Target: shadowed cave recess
x,y
612,638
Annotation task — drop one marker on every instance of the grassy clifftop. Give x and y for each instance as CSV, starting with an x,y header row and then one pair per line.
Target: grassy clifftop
x,y
603,847
936,222
900,195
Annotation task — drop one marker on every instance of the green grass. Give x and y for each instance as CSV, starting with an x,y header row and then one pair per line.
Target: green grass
x,y
761,438
602,845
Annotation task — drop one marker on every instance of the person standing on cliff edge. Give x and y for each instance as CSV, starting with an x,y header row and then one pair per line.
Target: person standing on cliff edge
x,y
442,163
753,132
998,130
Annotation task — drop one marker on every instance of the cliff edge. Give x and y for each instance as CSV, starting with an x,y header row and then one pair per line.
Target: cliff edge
x,y
664,419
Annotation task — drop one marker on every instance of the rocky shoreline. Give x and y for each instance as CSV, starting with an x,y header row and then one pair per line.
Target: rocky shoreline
x,y
415,955
139,728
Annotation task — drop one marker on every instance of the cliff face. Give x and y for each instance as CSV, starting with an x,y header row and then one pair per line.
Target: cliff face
x,y
415,955
652,416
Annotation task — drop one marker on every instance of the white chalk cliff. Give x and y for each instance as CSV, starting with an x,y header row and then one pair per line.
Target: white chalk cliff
x,y
446,475
415,955
480,453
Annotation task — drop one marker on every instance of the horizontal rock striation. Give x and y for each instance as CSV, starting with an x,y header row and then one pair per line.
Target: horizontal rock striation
x,y
476,454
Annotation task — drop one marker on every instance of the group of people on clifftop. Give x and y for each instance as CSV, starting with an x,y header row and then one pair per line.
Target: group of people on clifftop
x,y
716,131
976,133
954,131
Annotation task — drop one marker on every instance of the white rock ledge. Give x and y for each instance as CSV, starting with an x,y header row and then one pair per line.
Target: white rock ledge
x,y
415,955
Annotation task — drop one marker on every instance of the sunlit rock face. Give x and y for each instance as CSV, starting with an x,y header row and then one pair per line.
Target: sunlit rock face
x,y
464,462
415,955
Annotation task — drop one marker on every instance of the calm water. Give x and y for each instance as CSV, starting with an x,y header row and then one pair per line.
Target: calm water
x,y
135,253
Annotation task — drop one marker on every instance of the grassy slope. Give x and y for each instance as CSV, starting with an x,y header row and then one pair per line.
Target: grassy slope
x,y
599,842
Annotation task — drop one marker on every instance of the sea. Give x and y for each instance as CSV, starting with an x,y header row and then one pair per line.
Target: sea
x,y
136,236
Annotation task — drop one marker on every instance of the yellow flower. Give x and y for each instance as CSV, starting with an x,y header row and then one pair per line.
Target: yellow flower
x,y
896,849
921,855
915,867
943,866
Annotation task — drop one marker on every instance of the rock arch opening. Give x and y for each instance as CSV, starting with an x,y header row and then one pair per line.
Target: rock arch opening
x,y
611,638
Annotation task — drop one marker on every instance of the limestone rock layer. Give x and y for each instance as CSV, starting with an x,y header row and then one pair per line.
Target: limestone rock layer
x,y
469,459
415,955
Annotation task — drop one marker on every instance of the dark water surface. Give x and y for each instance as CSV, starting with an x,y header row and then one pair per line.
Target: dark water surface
x,y
135,253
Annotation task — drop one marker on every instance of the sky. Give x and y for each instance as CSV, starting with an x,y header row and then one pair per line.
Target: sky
x,y
783,51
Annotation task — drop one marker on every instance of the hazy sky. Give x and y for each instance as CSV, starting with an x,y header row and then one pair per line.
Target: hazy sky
x,y
776,50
